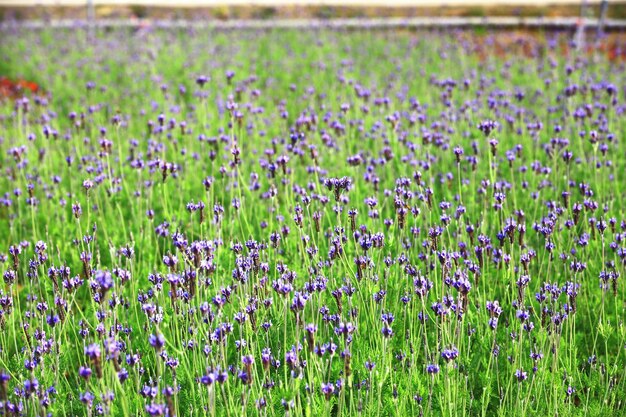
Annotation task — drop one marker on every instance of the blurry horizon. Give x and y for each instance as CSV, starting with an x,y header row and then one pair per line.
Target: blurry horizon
x,y
304,9
213,3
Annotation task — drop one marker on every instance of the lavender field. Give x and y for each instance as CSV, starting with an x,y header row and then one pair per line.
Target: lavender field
x,y
311,223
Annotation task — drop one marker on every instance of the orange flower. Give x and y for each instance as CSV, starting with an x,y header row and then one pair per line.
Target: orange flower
x,y
14,89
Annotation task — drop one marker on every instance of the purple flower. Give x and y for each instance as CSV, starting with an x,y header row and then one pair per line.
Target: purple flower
x,y
450,354
487,126
93,351
327,389
521,375
432,368
201,80
157,341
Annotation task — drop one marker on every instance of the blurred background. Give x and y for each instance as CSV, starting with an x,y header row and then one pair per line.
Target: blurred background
x,y
304,9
